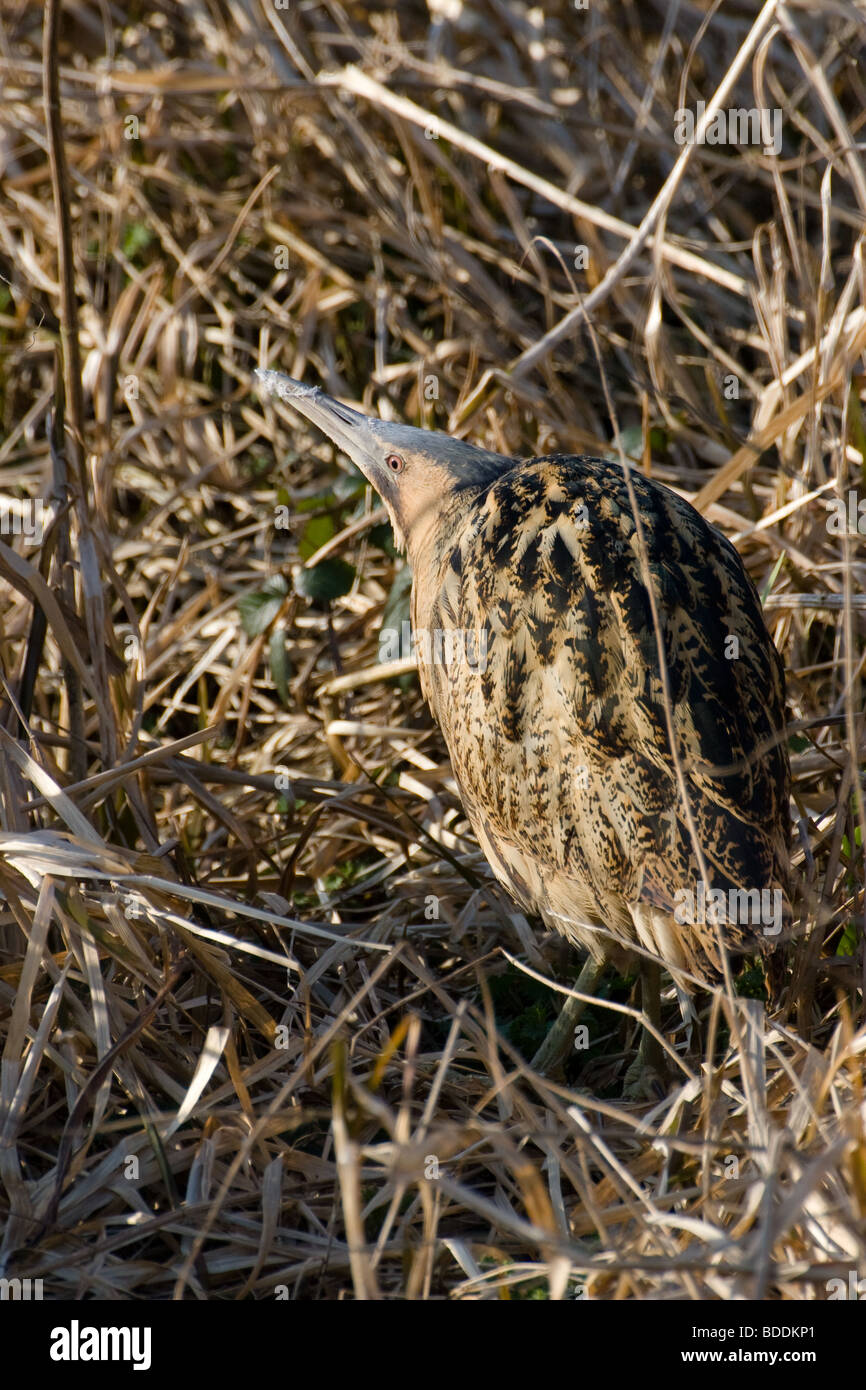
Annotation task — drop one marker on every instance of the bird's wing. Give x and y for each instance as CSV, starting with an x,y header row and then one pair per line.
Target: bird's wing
x,y
558,734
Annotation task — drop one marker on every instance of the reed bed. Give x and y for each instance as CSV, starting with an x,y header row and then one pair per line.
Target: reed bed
x,y
265,1014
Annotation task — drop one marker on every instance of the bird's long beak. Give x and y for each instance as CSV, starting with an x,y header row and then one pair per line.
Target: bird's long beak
x,y
351,431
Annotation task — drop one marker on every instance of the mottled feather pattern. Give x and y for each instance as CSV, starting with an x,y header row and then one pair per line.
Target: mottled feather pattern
x,y
559,739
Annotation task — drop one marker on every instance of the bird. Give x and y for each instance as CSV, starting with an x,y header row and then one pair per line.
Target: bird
x,y
611,700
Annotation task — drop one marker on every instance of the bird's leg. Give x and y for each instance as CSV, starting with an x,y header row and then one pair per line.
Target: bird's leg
x,y
560,1039
651,1003
649,1064
689,1016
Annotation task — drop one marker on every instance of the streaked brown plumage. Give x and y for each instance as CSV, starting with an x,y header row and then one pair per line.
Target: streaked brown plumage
x,y
559,739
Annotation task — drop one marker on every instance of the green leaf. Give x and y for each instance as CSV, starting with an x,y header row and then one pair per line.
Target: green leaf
x,y
632,443
751,983
259,465
397,608
632,440
281,666
383,538
314,501
849,940
137,236
349,483
317,531
258,610
331,579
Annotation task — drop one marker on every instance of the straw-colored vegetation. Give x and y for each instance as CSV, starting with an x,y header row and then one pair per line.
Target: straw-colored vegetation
x,y
264,1014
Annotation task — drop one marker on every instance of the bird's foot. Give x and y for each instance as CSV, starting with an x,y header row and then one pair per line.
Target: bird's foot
x,y
560,1041
646,1077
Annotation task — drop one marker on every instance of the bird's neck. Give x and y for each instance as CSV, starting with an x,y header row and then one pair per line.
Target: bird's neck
x,y
423,544
435,532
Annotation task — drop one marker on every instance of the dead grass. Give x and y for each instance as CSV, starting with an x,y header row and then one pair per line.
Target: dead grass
x,y
264,1014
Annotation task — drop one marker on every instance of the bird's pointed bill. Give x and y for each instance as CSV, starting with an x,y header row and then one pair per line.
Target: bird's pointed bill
x,y
349,429
416,472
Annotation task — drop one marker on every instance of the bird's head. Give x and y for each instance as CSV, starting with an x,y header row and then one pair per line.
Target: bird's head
x,y
417,473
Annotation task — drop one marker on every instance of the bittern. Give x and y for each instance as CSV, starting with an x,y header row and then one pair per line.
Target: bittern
x,y
612,702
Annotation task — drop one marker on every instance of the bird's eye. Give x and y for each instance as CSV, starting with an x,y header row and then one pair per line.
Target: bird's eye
x,y
395,463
